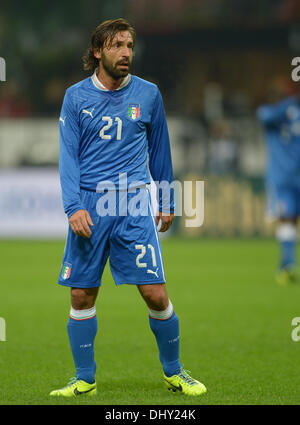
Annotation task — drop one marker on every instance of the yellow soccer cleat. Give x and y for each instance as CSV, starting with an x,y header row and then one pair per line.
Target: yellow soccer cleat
x,y
184,383
75,388
286,276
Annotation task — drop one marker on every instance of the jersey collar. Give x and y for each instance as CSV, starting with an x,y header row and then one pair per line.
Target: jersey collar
x,y
97,83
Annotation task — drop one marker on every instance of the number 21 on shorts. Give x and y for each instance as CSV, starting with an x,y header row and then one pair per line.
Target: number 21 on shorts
x,y
141,255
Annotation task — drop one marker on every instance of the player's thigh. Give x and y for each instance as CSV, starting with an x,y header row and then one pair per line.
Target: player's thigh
x,y
85,258
135,251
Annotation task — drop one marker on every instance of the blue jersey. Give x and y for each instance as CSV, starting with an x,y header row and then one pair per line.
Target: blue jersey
x,y
110,136
281,122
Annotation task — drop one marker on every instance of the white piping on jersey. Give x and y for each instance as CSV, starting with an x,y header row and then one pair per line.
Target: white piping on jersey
x,y
97,83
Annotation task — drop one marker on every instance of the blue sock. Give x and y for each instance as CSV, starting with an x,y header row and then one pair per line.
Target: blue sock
x,y
82,329
288,253
166,332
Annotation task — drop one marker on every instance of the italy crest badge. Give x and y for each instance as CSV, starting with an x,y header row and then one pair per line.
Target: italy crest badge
x,y
133,111
66,271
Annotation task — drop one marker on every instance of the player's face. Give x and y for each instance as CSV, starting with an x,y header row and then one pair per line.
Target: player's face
x,y
116,57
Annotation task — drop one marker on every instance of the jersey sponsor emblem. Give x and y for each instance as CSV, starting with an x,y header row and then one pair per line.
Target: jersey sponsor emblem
x,y
90,113
134,111
62,120
66,271
153,272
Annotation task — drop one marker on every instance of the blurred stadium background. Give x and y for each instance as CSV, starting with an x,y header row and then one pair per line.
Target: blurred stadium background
x,y
214,62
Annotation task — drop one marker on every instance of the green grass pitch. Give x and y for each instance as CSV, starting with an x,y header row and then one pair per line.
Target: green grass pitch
x,y
235,327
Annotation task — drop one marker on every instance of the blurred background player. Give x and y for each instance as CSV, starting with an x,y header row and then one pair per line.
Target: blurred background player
x,y
281,121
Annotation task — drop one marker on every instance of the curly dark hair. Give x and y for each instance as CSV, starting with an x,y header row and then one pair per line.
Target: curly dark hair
x,y
105,33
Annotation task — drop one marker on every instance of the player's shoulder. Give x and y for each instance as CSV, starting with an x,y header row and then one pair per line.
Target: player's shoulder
x,y
145,84
78,91
149,90
285,102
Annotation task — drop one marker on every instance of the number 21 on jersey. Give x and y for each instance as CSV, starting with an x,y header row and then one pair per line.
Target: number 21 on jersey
x,y
109,123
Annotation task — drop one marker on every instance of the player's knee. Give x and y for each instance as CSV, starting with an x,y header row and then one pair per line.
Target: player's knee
x,y
156,296
82,298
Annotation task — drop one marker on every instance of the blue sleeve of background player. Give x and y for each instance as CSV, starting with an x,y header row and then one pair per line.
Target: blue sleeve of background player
x,y
69,157
160,160
274,115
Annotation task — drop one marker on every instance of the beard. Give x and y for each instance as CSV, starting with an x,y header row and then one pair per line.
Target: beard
x,y
112,69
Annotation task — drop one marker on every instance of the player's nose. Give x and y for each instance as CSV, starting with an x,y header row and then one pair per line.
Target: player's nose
x,y
126,52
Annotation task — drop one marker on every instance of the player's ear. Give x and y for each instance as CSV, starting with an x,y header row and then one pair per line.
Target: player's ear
x,y
97,53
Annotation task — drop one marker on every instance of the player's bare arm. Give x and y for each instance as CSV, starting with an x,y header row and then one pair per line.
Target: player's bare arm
x,y
80,223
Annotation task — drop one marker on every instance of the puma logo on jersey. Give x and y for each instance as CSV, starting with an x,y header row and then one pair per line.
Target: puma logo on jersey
x,y
62,120
85,111
152,272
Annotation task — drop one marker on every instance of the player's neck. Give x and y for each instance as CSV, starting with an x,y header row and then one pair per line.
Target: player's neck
x,y
108,82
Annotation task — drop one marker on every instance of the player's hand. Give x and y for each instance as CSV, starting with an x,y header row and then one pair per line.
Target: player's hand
x,y
166,221
80,223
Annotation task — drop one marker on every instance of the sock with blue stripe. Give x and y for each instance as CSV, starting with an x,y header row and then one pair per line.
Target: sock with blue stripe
x,y
82,329
165,326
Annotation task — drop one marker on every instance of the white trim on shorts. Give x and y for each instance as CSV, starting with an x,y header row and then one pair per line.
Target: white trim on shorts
x,y
156,235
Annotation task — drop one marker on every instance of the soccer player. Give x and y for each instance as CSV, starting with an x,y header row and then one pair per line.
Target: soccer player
x,y
281,121
110,125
